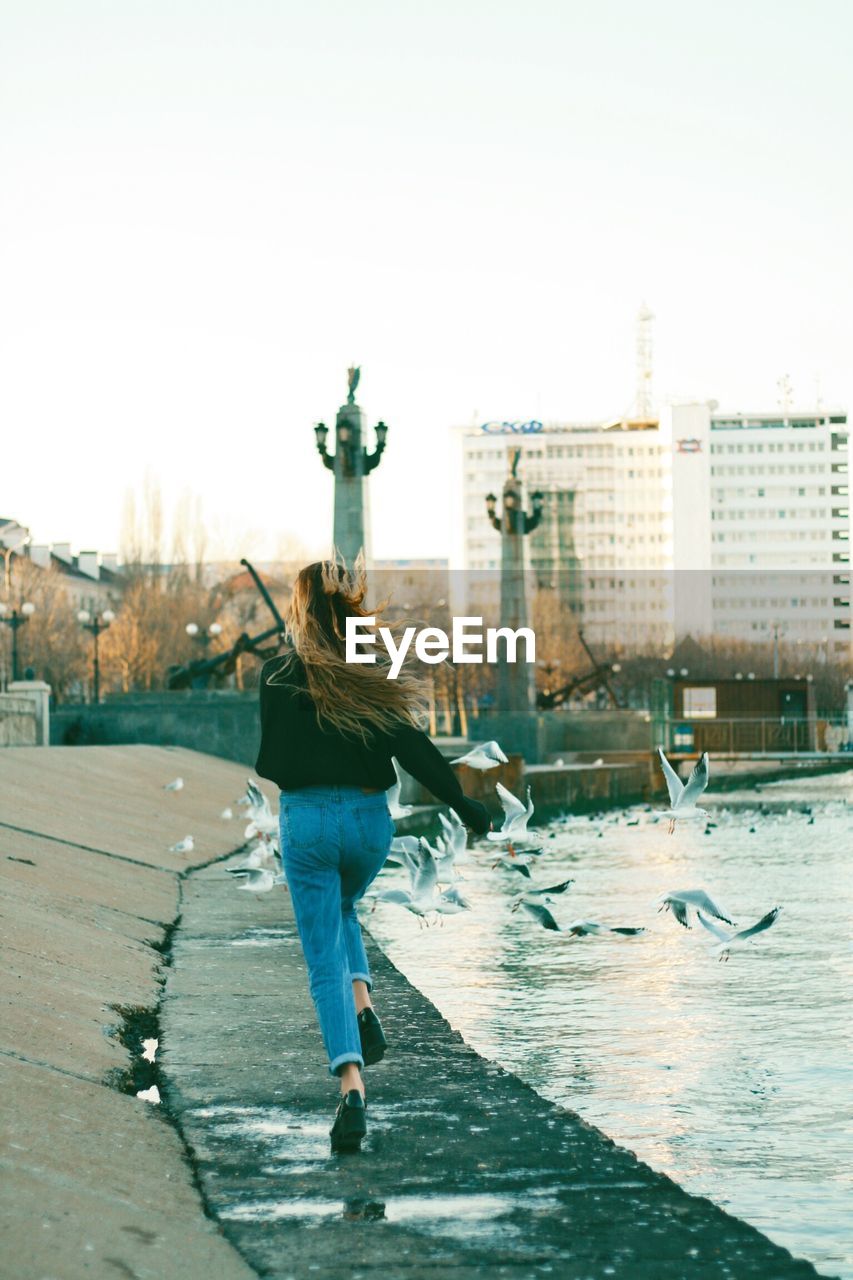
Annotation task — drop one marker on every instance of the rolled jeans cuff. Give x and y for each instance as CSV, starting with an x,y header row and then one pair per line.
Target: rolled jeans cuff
x,y
342,1059
363,977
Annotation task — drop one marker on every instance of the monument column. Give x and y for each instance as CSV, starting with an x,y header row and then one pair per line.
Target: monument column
x,y
351,465
516,682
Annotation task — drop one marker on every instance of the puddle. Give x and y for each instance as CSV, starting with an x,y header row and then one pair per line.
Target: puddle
x,y
465,1215
288,1137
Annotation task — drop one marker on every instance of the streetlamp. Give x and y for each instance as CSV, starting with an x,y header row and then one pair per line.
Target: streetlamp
x,y
351,463
16,618
96,625
203,636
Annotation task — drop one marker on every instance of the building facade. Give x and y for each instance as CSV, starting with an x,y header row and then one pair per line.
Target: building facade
x,y
694,522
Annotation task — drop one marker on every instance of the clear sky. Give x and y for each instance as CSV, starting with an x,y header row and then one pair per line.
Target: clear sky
x,y
211,209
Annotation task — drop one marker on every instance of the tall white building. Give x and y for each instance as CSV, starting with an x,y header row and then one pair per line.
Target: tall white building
x,y
657,528
763,499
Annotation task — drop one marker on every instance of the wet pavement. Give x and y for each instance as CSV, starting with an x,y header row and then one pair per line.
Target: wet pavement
x,y
464,1168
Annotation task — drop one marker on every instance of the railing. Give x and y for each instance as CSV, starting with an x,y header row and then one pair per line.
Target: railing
x,y
782,736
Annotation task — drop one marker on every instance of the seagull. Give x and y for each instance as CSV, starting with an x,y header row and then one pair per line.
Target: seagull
x,y
451,902
512,861
264,825
149,1049
516,816
227,814
488,755
260,880
728,940
183,846
254,797
580,929
401,851
444,861
396,809
177,784
683,797
149,1095
681,900
260,855
423,898
522,899
541,914
455,835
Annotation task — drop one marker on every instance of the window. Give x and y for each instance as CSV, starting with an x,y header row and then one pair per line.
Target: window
x,y
700,704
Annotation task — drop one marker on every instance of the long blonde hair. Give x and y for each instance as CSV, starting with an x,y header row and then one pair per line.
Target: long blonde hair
x,y
355,698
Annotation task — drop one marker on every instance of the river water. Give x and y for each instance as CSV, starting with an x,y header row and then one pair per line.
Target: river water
x,y
733,1078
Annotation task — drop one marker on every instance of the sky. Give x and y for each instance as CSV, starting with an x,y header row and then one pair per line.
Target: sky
x,y
210,210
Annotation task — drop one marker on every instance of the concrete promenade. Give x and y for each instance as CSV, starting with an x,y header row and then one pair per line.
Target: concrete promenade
x,y
465,1169
96,1182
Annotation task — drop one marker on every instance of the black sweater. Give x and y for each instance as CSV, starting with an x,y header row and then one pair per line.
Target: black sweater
x,y
296,752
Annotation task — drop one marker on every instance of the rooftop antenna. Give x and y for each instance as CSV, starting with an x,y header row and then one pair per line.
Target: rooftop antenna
x,y
786,393
643,396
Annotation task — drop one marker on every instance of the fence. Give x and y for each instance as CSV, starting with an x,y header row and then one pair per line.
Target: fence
x,y
772,737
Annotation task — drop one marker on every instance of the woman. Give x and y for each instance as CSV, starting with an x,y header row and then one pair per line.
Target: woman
x,y
328,731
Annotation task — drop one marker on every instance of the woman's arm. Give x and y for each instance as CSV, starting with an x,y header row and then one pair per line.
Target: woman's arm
x,y
422,759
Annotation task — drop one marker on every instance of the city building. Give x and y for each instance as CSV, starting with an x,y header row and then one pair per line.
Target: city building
x,y
91,580
693,522
761,514
605,539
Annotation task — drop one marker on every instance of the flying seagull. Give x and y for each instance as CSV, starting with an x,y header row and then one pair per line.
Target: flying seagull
x,y
254,798
455,835
521,899
149,1049
540,914
149,1095
580,929
728,940
423,897
516,816
683,797
681,900
177,784
488,755
445,859
396,809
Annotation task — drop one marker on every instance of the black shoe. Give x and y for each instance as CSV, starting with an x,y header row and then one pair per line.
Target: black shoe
x,y
373,1042
350,1122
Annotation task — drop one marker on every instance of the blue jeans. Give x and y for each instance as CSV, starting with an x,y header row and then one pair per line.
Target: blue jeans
x,y
334,841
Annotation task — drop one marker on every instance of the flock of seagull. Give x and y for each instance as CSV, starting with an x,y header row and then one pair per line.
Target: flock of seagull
x,y
434,871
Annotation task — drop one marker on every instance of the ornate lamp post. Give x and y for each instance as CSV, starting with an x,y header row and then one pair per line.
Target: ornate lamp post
x,y
516,685
351,464
96,625
16,618
203,636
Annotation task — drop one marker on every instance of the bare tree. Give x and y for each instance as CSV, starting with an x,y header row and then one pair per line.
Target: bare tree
x,y
52,642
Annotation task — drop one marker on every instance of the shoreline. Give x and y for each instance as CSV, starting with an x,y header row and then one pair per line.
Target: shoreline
x,y
535,1186
104,1181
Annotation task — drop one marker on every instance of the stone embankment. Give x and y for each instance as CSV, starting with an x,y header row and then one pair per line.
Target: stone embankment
x,y
112,939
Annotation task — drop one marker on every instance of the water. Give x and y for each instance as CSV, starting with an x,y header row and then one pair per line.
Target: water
x,y
733,1078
